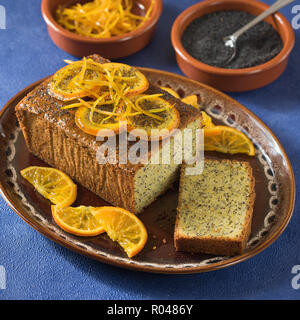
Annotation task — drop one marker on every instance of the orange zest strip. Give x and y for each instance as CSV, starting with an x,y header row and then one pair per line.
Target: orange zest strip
x,y
101,18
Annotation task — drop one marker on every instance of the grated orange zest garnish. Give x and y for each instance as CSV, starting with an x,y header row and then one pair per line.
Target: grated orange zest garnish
x,y
101,18
111,86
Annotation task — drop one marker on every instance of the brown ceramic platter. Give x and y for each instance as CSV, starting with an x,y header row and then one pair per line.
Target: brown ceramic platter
x,y
275,189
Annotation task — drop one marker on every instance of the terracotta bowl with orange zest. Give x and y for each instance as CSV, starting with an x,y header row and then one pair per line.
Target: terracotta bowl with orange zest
x,y
232,80
111,48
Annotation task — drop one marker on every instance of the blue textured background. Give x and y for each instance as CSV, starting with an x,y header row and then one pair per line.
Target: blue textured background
x,y
37,268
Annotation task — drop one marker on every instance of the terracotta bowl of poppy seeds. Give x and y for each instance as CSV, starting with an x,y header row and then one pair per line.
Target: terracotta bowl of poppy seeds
x,y
262,52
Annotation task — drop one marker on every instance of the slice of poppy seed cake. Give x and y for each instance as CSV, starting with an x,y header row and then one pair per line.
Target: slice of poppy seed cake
x,y
215,208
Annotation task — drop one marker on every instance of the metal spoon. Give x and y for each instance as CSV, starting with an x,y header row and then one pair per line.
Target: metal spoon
x,y
230,41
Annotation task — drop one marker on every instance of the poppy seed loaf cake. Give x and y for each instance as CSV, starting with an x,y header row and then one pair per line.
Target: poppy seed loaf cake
x,y
214,210
52,135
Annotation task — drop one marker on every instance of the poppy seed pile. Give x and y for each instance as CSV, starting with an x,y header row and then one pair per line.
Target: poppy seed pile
x,y
203,40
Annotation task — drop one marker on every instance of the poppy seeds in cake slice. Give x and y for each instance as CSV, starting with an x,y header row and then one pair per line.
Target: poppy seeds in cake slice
x,y
215,208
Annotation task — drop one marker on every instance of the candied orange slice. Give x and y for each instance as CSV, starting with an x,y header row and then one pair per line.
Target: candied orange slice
x,y
124,227
104,122
76,80
171,92
227,140
51,183
153,112
81,221
191,100
134,81
119,224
